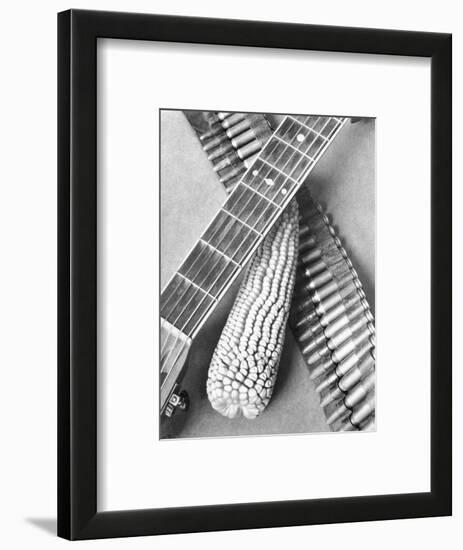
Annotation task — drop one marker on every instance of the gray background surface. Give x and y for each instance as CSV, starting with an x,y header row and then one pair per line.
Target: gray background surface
x,y
344,182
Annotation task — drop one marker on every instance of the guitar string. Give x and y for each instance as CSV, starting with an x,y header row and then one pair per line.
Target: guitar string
x,y
286,177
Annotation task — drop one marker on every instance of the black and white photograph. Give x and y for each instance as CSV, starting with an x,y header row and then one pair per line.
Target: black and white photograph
x,y
267,273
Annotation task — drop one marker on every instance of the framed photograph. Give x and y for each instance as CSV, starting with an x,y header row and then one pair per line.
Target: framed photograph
x,y
254,288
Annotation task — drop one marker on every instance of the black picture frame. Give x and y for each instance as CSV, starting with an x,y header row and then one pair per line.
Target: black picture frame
x,y
78,517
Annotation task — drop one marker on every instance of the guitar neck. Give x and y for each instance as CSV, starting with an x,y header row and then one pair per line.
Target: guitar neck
x,y
244,220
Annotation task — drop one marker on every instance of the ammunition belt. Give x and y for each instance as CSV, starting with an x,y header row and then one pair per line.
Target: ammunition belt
x,y
331,317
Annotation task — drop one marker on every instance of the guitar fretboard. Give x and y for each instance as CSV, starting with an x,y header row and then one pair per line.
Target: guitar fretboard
x,y
246,217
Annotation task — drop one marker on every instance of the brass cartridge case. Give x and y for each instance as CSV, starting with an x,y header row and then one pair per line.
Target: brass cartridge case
x,y
217,140
231,173
348,331
249,149
335,299
231,120
327,382
220,151
360,392
322,293
340,411
364,410
353,359
348,427
307,241
316,341
324,366
354,375
230,160
349,345
253,125
334,313
343,320
306,306
335,272
333,395
310,328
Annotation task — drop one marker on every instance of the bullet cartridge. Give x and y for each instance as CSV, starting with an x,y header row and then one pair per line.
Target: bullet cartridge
x,y
328,252
343,320
335,299
333,395
360,392
353,359
305,306
320,294
347,332
238,128
310,329
229,160
250,160
219,151
304,231
364,410
316,341
249,149
324,366
313,356
222,115
307,242
327,382
233,119
219,137
304,313
353,376
348,427
335,312
333,273
215,129
252,127
338,413
349,345
307,320
232,172
314,268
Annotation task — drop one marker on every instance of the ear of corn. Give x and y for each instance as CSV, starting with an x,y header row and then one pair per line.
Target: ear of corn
x,y
245,362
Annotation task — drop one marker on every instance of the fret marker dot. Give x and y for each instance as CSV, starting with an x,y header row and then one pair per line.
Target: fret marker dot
x,y
269,181
255,172
284,191
300,137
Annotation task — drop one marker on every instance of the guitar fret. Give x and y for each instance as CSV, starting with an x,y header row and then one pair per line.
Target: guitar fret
x,y
310,129
219,252
294,148
259,193
244,223
197,286
230,234
190,305
278,170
